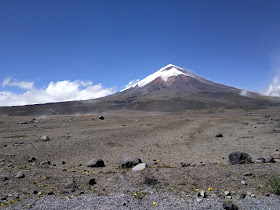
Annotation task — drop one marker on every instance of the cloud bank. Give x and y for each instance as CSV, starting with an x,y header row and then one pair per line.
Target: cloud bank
x,y
274,88
10,82
54,92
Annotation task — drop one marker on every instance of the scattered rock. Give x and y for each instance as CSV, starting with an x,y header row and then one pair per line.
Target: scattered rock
x,y
270,160
44,138
92,182
95,162
228,174
70,185
150,181
16,195
243,195
230,206
227,193
22,122
50,193
32,159
63,162
201,194
35,192
239,158
129,162
20,175
219,135
260,160
5,178
139,167
101,118
10,165
275,155
243,182
185,164
198,200
45,163
248,174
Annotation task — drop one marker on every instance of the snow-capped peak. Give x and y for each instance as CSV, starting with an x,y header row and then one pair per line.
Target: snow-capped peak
x,y
165,72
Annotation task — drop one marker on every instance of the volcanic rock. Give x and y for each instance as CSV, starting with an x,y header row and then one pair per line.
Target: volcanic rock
x,y
95,162
129,162
239,158
20,175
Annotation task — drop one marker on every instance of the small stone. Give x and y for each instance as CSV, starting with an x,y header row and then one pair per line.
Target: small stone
x,y
243,182
71,184
219,135
260,160
185,164
10,165
45,163
20,175
230,206
276,155
242,196
202,194
249,193
92,182
95,162
198,200
63,162
139,167
253,196
33,163
270,160
101,118
129,162
22,122
45,138
228,174
35,192
51,193
248,174
5,178
227,193
31,159
229,197
16,195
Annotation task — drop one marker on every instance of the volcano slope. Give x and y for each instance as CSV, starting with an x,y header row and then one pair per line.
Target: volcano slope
x,y
162,140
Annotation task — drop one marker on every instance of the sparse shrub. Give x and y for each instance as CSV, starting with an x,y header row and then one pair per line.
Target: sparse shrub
x,y
274,184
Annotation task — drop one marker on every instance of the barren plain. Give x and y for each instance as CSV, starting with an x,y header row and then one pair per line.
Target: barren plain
x,y
161,140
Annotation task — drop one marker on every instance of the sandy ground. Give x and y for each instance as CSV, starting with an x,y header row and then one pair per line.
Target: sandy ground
x,y
162,140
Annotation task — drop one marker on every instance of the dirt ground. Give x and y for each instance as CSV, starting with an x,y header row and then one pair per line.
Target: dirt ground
x,y
162,140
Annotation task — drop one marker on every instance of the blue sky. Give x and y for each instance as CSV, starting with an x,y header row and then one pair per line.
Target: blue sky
x,y
100,46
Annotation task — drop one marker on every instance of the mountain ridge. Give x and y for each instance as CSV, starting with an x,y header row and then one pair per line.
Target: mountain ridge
x,y
170,89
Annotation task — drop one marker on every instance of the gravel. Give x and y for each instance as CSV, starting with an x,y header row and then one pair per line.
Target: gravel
x,y
151,201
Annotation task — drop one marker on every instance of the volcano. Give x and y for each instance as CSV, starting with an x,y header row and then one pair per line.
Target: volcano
x,y
170,89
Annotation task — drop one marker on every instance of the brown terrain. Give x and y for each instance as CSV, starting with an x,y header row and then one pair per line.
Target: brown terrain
x,y
161,139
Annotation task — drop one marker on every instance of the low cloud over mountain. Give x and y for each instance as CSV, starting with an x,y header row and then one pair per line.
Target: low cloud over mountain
x,y
54,92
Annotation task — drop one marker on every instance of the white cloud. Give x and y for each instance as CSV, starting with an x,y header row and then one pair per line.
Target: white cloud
x,y
21,84
274,88
55,92
244,93
132,83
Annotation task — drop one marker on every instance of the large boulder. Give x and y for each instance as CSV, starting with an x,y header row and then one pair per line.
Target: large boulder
x,y
95,162
129,162
239,158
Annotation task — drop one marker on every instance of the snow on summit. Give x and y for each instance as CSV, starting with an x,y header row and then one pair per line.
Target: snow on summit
x,y
165,72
